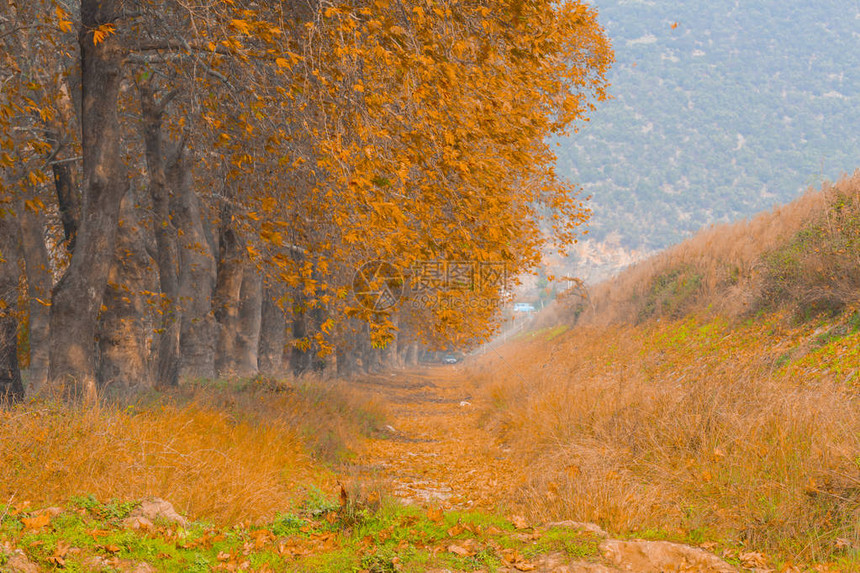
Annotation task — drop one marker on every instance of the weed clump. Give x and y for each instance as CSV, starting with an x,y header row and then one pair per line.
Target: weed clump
x,y
818,270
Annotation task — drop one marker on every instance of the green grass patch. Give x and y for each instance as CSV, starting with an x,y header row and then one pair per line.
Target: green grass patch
x,y
89,535
670,294
557,331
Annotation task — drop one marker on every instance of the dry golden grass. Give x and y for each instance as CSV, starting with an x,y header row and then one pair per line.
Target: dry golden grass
x,y
688,427
693,421
225,455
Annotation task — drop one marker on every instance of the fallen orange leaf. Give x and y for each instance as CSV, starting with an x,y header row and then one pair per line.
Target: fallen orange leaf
x,y
520,522
344,497
435,514
460,550
21,507
58,557
37,522
96,533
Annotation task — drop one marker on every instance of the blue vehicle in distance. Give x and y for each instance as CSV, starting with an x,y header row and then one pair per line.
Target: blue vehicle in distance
x,y
524,307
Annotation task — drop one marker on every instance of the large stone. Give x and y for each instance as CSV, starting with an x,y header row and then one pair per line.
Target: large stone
x,y
151,510
662,557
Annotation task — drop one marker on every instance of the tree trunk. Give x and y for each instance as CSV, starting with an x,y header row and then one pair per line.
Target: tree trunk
x,y
317,316
78,296
39,282
228,285
402,352
364,350
346,361
371,359
347,347
11,387
250,322
123,362
68,202
68,195
389,357
167,353
196,276
300,357
272,334
412,355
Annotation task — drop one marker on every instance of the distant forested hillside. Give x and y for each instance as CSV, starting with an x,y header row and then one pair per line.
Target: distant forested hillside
x,y
721,109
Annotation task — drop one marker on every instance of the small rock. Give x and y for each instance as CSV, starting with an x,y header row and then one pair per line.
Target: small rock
x,y
465,403
137,522
51,511
98,563
558,563
153,509
661,557
592,528
16,561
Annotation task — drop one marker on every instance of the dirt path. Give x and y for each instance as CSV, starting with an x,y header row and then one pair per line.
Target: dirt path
x,y
435,452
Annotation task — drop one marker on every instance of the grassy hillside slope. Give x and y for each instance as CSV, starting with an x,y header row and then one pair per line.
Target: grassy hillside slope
x,y
709,394
804,257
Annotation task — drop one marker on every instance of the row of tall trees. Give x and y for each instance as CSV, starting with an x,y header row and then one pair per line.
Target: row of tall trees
x,y
189,187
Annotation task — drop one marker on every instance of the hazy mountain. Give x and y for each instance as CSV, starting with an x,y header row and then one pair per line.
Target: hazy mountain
x,y
721,109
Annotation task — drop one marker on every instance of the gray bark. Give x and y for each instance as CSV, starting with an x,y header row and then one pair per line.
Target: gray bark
x,y
68,201
345,362
123,364
68,119
78,296
411,355
167,352
250,322
272,334
300,356
196,276
346,349
228,285
11,387
39,282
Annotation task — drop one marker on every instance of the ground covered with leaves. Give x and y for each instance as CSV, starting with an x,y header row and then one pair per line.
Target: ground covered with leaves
x,y
698,445
88,535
